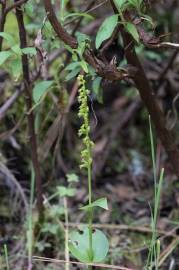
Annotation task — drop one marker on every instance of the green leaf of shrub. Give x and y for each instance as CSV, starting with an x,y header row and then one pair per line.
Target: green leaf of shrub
x,y
102,203
16,49
29,50
72,177
72,66
97,89
119,4
131,29
84,66
40,89
79,245
63,191
81,37
8,38
4,56
16,68
106,29
72,74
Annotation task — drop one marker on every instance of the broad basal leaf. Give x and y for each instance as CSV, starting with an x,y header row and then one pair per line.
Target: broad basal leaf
x,y
79,245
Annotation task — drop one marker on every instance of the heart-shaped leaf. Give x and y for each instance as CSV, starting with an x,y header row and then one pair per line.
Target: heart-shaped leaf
x,y
79,245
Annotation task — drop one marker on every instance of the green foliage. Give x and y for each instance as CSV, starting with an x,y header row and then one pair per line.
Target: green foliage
x,y
122,5
66,192
4,56
154,248
77,56
11,57
48,227
80,249
72,178
10,40
106,29
96,87
69,191
87,245
102,203
42,245
40,89
131,29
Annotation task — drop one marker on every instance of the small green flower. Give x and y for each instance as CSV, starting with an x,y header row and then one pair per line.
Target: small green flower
x,y
86,153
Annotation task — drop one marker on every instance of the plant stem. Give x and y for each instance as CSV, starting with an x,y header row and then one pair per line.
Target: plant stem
x,y
6,257
30,220
86,156
67,257
90,220
152,260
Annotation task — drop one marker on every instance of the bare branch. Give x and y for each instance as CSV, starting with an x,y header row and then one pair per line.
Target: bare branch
x,y
44,259
15,5
61,32
164,45
2,20
30,116
106,70
8,104
150,101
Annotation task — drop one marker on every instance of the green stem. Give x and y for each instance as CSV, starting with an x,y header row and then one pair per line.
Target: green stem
x,y
90,220
67,257
6,257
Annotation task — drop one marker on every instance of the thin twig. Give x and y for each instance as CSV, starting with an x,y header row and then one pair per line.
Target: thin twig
x,y
161,77
9,102
44,259
164,45
141,229
87,10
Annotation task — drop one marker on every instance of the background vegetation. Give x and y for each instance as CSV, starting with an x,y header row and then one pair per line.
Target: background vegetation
x,y
110,196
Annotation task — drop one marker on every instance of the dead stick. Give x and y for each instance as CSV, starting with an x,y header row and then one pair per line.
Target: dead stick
x,y
30,116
